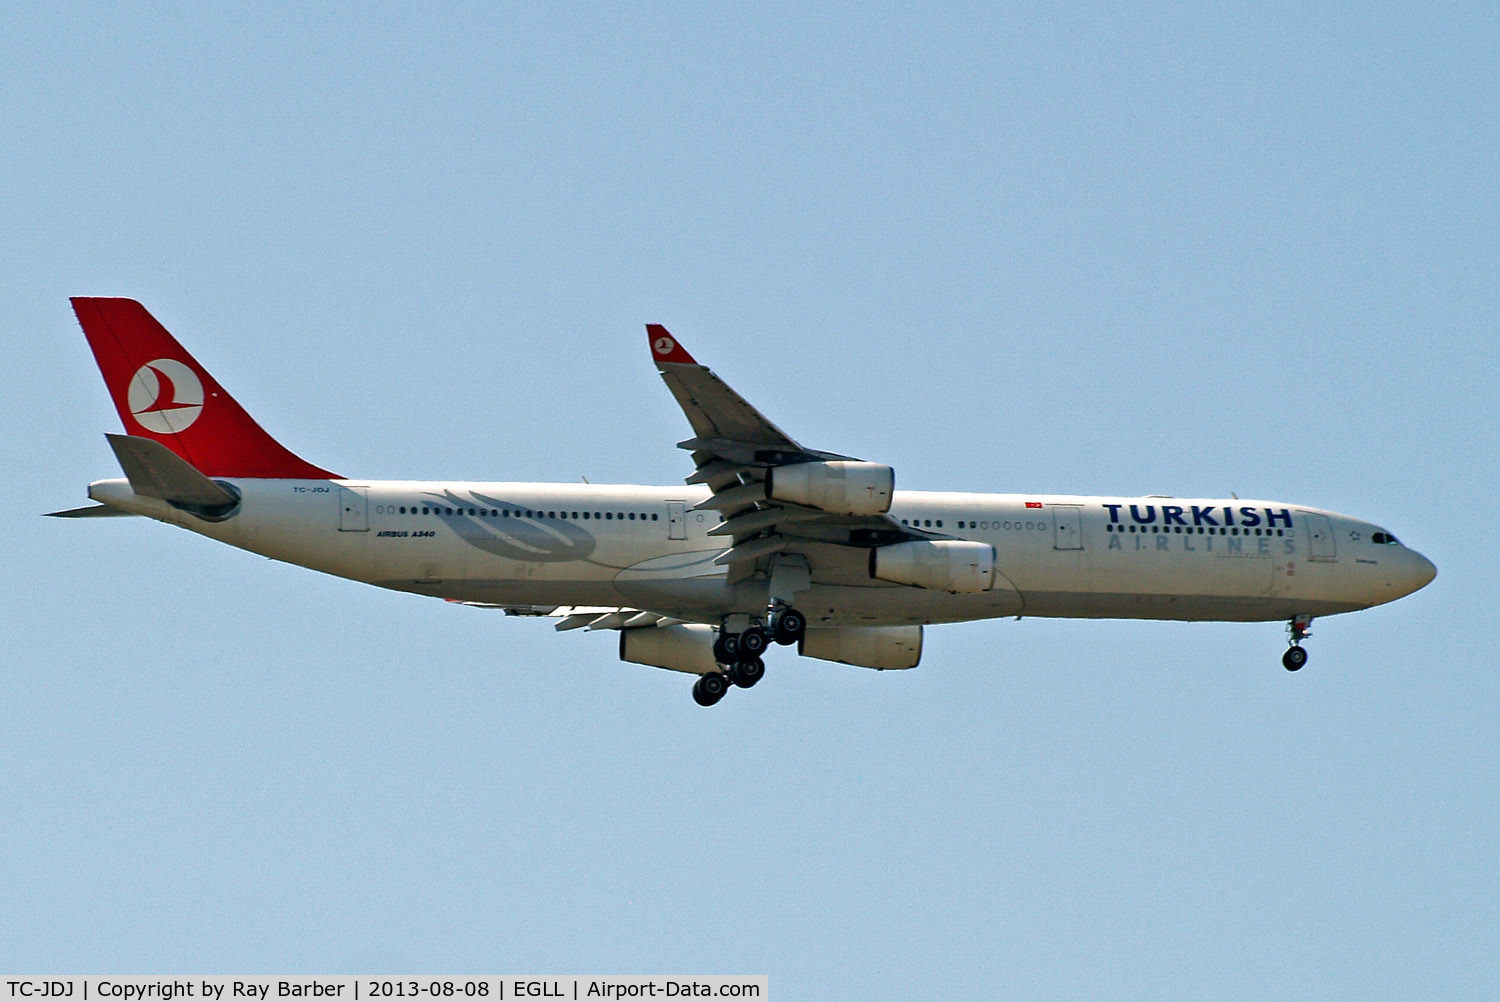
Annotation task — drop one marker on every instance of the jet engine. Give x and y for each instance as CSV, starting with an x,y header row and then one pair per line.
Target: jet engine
x,y
960,566
687,647
879,647
842,487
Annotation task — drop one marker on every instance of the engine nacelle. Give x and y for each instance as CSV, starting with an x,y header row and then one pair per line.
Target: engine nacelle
x,y
961,566
686,647
880,647
842,487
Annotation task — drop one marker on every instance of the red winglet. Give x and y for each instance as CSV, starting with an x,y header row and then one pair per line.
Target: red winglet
x,y
665,347
164,394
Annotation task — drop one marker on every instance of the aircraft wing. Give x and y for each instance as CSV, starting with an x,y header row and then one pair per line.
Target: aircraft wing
x,y
735,448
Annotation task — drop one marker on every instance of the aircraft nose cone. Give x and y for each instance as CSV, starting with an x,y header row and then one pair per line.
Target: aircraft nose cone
x,y
1422,572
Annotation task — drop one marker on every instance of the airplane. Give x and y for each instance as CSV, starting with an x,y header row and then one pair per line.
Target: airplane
x,y
766,542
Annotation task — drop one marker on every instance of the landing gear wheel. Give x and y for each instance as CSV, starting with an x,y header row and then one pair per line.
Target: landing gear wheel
x,y
747,673
1294,658
710,688
753,642
727,648
790,625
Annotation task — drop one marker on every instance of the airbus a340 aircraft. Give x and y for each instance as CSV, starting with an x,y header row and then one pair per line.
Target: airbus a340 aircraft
x,y
767,541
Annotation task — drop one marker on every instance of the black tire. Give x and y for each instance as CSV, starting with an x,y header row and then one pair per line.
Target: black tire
x,y
1294,658
710,688
747,673
726,648
790,626
753,642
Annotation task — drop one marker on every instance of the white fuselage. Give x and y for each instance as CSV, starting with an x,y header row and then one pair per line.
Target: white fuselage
x,y
544,545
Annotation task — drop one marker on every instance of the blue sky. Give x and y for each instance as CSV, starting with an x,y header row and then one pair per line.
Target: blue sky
x,y
1180,250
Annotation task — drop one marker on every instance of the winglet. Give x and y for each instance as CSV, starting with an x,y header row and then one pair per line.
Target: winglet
x,y
665,347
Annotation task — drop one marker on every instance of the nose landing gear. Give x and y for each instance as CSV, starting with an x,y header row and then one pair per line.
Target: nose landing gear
x,y
1295,656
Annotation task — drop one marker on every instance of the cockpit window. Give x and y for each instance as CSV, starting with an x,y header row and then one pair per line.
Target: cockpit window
x,y
1384,538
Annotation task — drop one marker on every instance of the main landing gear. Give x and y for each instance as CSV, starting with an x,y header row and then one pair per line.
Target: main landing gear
x,y
739,654
1295,656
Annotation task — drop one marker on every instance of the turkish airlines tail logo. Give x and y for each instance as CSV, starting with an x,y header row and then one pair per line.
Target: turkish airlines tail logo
x,y
165,396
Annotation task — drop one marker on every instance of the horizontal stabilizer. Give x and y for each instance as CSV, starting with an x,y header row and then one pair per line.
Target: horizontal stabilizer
x,y
154,471
92,511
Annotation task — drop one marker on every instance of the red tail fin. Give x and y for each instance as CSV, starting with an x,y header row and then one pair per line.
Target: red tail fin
x,y
163,394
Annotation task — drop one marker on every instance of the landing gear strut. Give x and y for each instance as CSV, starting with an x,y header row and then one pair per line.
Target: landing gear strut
x,y
1295,656
739,653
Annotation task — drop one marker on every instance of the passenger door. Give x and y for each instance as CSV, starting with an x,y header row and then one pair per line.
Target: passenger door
x,y
1321,545
1067,529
